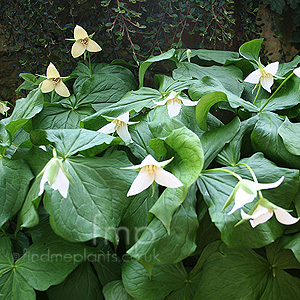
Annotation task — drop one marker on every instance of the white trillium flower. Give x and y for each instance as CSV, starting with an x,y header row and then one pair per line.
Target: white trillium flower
x,y
264,76
54,82
150,171
297,72
83,42
3,108
262,214
120,125
174,102
246,191
55,174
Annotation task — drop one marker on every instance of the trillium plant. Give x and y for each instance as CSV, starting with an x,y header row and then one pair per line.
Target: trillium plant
x,y
116,187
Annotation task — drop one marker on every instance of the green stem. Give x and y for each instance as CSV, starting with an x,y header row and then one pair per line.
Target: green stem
x,y
52,94
90,64
224,170
259,86
282,83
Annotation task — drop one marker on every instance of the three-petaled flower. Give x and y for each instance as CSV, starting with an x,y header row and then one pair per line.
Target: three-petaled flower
x,y
83,42
3,108
55,174
54,82
264,76
120,125
246,191
265,210
151,170
174,102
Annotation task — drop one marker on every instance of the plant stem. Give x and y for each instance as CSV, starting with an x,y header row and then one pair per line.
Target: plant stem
x,y
52,94
259,86
282,83
90,64
224,170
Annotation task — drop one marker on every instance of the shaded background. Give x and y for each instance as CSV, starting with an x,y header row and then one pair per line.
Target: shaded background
x,y
34,32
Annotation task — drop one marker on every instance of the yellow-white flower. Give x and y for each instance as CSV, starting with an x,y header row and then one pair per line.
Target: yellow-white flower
x,y
54,82
56,176
264,76
3,108
151,170
174,102
83,42
120,125
245,192
264,211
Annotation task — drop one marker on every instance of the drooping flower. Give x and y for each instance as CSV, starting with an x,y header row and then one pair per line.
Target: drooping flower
x,y
265,210
246,191
3,108
174,102
83,42
264,76
120,125
55,174
151,170
54,82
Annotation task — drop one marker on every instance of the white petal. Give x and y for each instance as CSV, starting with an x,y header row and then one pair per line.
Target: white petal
x,y
261,219
92,46
297,72
52,71
61,183
172,95
165,162
43,181
241,198
187,102
140,183
163,102
77,49
284,217
107,129
47,86
260,210
245,216
123,132
265,186
149,160
267,82
173,109
272,68
166,178
79,33
62,90
124,117
253,77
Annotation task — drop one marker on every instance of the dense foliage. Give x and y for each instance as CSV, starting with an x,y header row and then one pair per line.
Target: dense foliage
x,y
77,223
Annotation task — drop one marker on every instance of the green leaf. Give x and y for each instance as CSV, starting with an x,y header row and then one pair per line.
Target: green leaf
x,y
215,55
289,133
70,141
115,290
163,280
276,5
168,84
285,68
293,243
82,283
146,64
250,50
217,186
13,188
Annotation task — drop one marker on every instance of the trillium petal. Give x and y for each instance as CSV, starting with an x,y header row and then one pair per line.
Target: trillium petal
x,y
267,82
284,217
124,117
173,109
149,160
253,77
52,71
123,132
61,183
241,198
163,102
261,219
61,89
265,186
107,129
297,72
43,181
79,33
92,46
272,68
140,183
77,49
172,95
47,86
166,178
187,102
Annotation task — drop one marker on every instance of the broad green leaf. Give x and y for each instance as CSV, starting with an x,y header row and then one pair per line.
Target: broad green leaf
x,y
146,64
168,84
115,290
15,176
156,246
133,101
216,186
163,280
293,243
82,283
215,55
285,68
250,50
289,133
213,141
26,108
96,198
70,141
5,136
